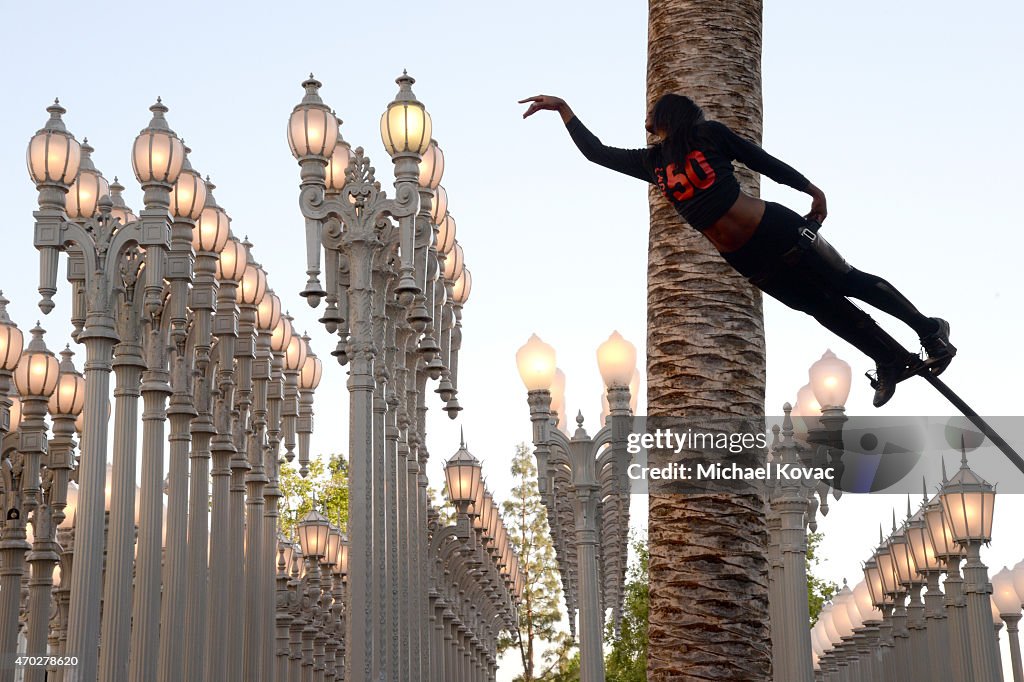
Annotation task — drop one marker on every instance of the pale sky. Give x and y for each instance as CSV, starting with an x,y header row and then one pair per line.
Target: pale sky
x,y
905,114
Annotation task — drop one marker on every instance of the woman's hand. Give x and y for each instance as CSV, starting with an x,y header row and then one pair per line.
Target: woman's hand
x,y
547,103
819,209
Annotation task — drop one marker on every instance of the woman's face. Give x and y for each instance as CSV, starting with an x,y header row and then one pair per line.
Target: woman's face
x,y
649,125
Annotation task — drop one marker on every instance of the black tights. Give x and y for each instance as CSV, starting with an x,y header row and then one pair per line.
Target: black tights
x,y
819,283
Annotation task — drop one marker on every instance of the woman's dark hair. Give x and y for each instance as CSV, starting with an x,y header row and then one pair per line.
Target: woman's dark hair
x,y
676,116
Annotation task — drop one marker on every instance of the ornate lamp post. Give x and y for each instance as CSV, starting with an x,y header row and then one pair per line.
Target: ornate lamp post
x,y
967,502
36,377
314,532
99,246
1008,604
398,324
930,568
590,463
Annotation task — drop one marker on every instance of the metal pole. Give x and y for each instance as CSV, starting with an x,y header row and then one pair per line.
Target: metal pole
x,y
145,635
1011,621
985,665
955,605
43,555
222,574
117,604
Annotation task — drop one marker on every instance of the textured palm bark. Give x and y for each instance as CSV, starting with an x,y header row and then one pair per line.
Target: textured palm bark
x,y
705,357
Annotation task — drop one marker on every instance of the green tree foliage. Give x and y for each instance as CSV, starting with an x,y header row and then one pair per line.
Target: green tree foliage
x,y
445,509
526,522
627,659
818,591
327,483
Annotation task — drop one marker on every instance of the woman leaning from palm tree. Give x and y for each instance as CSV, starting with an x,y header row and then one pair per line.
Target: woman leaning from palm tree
x,y
775,248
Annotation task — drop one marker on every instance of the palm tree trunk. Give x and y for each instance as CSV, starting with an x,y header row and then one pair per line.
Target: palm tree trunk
x,y
705,358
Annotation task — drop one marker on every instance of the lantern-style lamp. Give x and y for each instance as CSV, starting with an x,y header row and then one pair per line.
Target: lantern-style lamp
x,y
54,155
1018,579
462,476
295,353
903,559
231,263
213,228
188,199
312,128
268,312
1004,594
342,567
281,337
536,361
69,397
15,412
446,232
312,368
11,339
939,531
341,157
314,529
967,501
840,613
827,623
431,166
82,200
253,285
806,404
454,262
886,567
405,127
616,359
830,381
873,581
920,542
997,619
333,544
37,372
865,603
158,154
439,207
120,209
463,285
853,611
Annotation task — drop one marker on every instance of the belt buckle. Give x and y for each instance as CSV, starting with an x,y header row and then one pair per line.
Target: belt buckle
x,y
808,234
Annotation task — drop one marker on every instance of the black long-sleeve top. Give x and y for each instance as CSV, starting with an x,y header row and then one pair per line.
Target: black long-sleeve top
x,y
702,187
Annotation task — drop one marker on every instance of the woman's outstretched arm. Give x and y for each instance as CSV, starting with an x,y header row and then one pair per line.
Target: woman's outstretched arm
x,y
632,162
757,159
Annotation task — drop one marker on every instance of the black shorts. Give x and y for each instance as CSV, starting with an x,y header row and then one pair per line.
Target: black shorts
x,y
776,234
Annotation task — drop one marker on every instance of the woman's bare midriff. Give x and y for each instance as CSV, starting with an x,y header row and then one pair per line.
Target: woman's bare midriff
x,y
737,226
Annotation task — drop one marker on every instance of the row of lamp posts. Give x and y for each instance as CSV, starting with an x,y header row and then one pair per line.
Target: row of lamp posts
x,y
394,285
176,308
584,486
884,630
